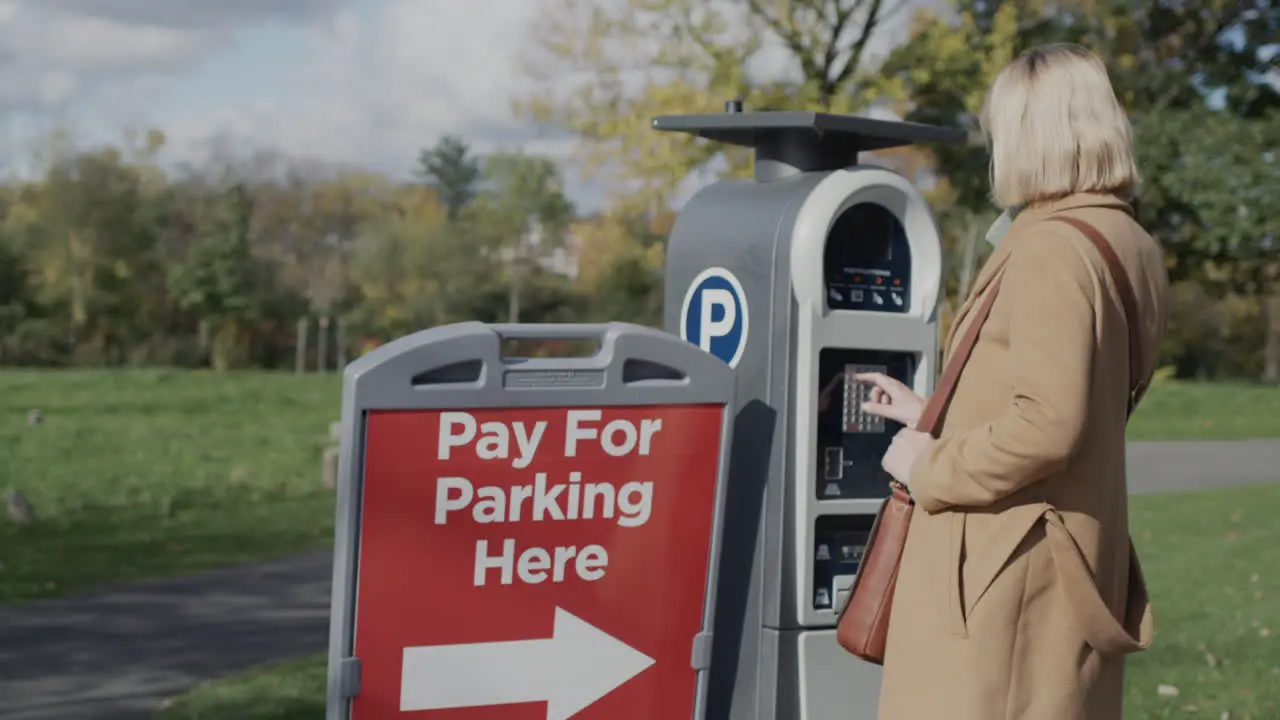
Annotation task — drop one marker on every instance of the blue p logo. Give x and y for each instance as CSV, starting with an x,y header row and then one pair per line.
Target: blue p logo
x,y
714,315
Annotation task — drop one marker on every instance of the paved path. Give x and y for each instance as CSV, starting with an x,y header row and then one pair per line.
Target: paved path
x,y
1171,466
116,656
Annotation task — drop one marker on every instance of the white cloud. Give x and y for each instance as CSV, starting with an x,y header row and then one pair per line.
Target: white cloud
x,y
190,14
50,57
378,81
378,89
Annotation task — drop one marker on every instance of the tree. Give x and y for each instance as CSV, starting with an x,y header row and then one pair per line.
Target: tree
x,y
450,170
1169,54
414,269
643,58
621,268
1162,55
1192,75
87,232
1213,190
218,277
523,214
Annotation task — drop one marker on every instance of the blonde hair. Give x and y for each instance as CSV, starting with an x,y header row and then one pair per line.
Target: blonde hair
x,y
1054,127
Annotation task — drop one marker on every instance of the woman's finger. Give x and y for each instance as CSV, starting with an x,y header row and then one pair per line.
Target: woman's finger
x,y
876,378
887,411
888,385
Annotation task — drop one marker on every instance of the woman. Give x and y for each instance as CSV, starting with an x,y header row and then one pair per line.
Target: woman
x,y
1018,597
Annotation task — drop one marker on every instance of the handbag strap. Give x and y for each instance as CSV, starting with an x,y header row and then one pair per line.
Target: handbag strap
x,y
931,417
1138,382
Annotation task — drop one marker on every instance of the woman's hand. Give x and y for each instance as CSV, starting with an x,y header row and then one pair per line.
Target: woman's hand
x,y
907,447
891,399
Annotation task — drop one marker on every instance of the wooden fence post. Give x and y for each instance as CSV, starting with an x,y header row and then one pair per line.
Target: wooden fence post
x,y
300,348
322,344
341,332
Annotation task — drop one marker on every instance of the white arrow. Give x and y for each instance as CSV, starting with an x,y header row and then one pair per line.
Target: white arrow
x,y
576,666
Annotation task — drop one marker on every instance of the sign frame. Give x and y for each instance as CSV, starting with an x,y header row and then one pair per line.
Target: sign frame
x,y
462,367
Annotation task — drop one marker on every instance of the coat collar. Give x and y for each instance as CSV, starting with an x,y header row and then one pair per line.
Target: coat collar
x,y
1028,216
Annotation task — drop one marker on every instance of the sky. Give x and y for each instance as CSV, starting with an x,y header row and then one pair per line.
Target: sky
x,y
366,82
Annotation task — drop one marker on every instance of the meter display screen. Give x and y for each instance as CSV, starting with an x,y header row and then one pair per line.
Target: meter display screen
x,y
867,261
851,442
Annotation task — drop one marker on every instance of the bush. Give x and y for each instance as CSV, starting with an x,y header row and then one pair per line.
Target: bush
x,y
1210,337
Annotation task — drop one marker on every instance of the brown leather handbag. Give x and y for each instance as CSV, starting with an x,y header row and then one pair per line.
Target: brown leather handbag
x,y
863,625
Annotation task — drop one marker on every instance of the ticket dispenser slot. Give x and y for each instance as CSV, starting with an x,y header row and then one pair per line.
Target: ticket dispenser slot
x,y
839,542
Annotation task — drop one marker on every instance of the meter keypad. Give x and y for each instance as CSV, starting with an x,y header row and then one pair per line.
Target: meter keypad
x,y
851,442
855,393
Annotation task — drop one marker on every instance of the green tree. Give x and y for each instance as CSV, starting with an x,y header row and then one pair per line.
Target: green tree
x,y
217,280
452,172
1163,55
638,59
523,214
621,260
414,269
1212,189
88,231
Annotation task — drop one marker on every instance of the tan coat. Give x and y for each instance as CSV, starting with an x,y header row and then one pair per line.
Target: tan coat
x,y
1016,599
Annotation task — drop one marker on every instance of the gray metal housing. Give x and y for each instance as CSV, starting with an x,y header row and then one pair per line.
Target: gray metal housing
x,y
463,366
775,658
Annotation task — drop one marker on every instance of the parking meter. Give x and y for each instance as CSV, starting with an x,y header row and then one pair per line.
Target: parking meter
x,y
810,272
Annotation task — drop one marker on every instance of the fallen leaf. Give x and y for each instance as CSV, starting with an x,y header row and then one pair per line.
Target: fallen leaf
x,y
1264,632
1167,691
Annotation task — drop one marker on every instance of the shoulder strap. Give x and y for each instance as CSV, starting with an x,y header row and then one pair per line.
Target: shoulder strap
x,y
931,416
1137,379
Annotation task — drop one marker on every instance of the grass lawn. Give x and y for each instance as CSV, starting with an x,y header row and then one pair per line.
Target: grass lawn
x,y
292,690
1207,411
1212,561
143,474
154,473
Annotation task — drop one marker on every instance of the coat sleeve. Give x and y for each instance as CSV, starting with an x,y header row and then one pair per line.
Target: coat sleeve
x,y
1049,288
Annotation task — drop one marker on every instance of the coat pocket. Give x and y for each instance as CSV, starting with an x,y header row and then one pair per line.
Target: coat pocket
x,y
981,562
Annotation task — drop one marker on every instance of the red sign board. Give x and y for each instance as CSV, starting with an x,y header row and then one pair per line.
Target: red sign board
x,y
534,564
